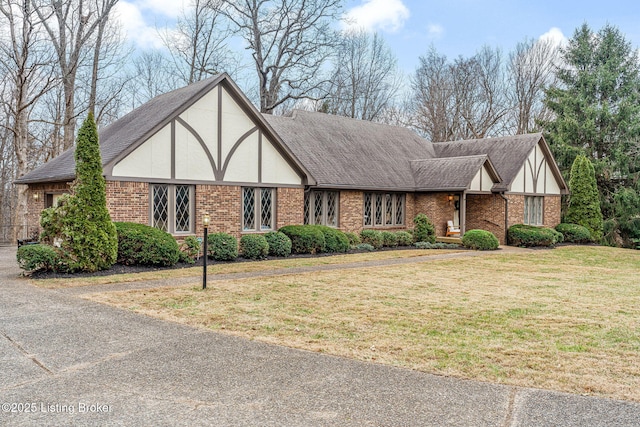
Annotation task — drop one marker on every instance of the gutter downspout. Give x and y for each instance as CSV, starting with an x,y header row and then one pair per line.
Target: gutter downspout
x,y
506,217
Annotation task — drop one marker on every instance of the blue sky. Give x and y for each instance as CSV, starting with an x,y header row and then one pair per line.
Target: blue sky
x,y
454,27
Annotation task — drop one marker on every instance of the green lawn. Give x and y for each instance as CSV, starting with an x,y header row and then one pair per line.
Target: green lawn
x,y
565,319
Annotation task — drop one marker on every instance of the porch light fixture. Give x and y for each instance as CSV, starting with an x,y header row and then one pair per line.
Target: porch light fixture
x,y
450,198
36,196
205,224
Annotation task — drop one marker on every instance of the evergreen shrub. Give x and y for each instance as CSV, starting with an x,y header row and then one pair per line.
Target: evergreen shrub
x,y
481,240
404,238
423,230
305,239
530,236
584,201
38,258
334,239
254,246
354,239
222,247
574,233
140,244
365,247
372,237
279,244
389,239
189,249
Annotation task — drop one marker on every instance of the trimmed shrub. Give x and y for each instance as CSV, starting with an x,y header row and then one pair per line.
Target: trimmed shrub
x,y
140,244
335,240
222,247
574,233
424,231
305,239
279,243
389,239
354,239
38,257
481,240
372,237
365,247
189,249
529,236
254,246
404,238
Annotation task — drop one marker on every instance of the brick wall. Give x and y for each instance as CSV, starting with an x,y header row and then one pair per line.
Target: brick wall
x,y
224,206
552,210
351,211
128,201
486,212
35,205
437,207
290,206
516,209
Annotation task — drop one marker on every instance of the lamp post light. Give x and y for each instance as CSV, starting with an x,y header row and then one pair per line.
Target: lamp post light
x,y
205,223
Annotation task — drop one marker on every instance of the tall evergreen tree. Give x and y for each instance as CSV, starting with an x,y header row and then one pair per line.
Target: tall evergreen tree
x,y
597,111
89,235
584,204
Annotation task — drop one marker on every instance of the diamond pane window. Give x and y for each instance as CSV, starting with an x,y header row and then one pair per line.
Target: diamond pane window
x,y
160,217
307,200
533,210
266,209
317,208
389,209
367,209
249,209
183,208
399,209
379,210
332,217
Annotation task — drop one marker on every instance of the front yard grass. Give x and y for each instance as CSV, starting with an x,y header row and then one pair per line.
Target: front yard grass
x,y
566,319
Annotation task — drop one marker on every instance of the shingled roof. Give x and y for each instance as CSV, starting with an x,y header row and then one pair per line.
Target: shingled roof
x,y
333,151
134,127
341,152
450,173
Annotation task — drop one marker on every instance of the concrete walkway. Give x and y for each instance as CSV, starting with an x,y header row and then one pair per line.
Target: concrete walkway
x,y
67,361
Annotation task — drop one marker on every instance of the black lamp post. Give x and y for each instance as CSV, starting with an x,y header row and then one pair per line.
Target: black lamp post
x,y
205,223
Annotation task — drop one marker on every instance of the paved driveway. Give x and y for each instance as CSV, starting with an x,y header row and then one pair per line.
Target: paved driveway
x,y
67,361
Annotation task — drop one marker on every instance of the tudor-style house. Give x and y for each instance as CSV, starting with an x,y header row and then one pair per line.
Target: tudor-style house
x,y
206,149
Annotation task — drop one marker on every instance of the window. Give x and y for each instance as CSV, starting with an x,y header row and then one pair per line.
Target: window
x,y
258,209
321,208
383,209
533,210
172,208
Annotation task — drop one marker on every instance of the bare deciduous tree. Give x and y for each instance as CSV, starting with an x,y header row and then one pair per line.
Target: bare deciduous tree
x,y
198,45
25,64
531,70
289,40
462,99
72,26
365,80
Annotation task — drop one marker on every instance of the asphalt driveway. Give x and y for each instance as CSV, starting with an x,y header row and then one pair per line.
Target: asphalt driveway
x,y
67,361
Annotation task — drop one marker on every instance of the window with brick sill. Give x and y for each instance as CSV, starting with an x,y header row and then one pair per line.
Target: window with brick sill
x,y
384,209
258,209
172,208
321,208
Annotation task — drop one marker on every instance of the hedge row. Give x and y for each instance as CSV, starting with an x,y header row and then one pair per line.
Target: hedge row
x,y
529,236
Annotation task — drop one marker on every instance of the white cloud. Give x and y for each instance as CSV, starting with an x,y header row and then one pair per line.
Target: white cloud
x,y
435,31
556,36
385,15
140,17
168,8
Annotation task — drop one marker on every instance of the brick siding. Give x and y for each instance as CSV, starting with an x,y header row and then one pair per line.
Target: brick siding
x,y
486,212
290,204
552,210
128,201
